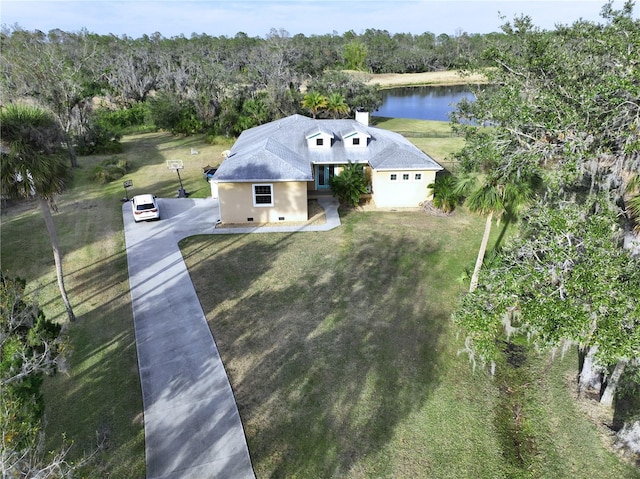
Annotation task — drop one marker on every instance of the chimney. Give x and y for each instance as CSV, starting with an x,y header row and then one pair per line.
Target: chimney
x,y
362,117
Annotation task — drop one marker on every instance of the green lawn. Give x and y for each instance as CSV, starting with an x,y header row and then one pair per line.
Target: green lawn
x,y
344,361
338,345
96,397
433,137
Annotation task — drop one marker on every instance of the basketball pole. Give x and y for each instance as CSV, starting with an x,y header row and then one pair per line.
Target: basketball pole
x,y
177,165
181,192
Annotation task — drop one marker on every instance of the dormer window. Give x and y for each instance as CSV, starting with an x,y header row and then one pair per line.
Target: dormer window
x,y
355,138
319,139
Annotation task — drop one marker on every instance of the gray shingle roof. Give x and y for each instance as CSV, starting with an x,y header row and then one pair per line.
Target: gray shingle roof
x,y
277,151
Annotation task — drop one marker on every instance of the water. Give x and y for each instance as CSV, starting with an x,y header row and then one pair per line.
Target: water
x,y
422,102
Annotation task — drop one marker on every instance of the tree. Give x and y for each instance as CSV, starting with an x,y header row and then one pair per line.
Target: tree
x,y
355,55
271,69
496,196
565,105
350,184
314,102
28,351
445,196
32,165
357,94
566,109
380,48
170,113
336,105
55,69
568,103
563,281
131,68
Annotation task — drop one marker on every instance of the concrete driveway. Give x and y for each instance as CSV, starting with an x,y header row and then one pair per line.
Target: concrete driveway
x,y
191,423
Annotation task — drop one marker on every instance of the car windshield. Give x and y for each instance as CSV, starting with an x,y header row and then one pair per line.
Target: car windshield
x,y
145,206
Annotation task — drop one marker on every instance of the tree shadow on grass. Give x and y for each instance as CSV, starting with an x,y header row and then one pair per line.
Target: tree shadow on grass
x,y
327,350
90,407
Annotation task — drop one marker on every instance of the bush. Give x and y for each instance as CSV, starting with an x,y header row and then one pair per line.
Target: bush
x,y
127,120
350,184
170,113
98,139
213,139
122,120
110,170
445,195
28,351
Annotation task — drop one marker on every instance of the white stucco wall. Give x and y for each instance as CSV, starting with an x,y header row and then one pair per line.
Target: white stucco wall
x,y
401,193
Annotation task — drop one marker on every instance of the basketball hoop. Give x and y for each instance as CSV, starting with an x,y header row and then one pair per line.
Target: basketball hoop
x,y
177,165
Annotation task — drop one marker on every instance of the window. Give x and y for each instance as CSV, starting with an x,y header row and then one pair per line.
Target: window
x,y
393,177
356,141
262,195
405,176
418,176
319,141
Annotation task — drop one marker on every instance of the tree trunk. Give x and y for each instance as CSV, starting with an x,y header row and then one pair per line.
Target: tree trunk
x,y
57,257
72,151
612,384
590,377
483,249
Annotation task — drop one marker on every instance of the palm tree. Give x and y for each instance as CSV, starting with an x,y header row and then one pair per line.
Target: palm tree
x,y
32,165
445,194
350,184
314,101
336,105
494,197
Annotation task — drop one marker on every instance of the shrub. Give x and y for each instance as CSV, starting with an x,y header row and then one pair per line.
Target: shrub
x,y
28,351
350,184
445,195
110,170
98,139
122,120
213,139
170,113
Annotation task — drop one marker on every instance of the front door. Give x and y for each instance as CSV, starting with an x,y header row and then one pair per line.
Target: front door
x,y
324,173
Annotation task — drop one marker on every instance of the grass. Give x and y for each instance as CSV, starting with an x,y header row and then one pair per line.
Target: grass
x,y
433,137
96,396
338,344
344,362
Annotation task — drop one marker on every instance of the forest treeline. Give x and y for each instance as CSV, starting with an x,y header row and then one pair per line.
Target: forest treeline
x,y
216,84
555,149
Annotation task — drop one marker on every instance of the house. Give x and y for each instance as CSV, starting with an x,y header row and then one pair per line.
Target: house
x,y
273,169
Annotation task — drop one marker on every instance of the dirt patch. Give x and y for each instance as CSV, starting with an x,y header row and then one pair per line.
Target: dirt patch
x,y
441,78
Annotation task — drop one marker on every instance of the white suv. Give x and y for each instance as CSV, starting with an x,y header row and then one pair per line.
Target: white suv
x,y
145,208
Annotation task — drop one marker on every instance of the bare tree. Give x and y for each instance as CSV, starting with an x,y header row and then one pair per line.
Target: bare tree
x,y
55,69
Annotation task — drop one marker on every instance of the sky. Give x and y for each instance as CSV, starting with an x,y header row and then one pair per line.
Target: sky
x,y
256,18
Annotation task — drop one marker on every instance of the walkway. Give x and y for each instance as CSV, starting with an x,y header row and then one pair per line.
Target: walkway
x,y
191,421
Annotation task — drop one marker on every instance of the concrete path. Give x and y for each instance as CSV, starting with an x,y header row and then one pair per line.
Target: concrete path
x,y
191,421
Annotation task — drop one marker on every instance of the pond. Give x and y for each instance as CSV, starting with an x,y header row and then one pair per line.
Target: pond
x,y
422,102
